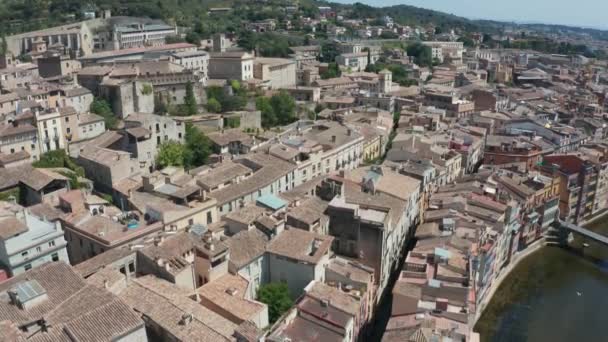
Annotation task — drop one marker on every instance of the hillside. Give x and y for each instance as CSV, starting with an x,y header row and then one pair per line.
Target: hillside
x,y
27,15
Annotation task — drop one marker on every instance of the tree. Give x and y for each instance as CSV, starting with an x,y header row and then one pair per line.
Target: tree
x,y
198,147
57,159
174,39
269,119
329,52
193,37
3,46
214,106
190,100
423,55
333,70
102,108
276,296
170,153
284,107
467,41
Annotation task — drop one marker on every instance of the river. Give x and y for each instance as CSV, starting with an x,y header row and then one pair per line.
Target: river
x,y
553,295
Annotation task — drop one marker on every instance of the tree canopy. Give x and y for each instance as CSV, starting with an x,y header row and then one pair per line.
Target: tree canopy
x,y
227,102
102,108
170,153
276,296
197,149
191,107
423,56
280,109
333,70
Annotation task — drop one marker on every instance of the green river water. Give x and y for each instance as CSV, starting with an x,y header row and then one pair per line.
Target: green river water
x,y
553,295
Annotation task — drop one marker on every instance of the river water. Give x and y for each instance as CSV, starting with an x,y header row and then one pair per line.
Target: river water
x,y
553,295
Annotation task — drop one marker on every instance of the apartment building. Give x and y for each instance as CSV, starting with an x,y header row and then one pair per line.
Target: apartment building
x,y
197,61
28,240
77,38
140,35
275,73
372,218
231,66
18,143
298,257
455,107
50,130
92,226
446,50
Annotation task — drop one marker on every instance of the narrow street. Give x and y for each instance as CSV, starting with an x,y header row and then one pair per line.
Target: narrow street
x,y
383,313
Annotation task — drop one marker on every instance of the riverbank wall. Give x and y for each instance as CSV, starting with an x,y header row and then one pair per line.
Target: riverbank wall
x,y
503,274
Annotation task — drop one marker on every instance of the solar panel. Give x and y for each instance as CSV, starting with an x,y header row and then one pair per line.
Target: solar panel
x,y
29,290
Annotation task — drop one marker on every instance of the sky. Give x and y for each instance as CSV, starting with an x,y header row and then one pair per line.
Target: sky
x,y
584,13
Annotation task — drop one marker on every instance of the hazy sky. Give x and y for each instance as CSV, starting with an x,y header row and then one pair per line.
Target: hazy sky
x,y
587,13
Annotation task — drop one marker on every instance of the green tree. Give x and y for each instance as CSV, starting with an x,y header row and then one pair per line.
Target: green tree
x,y
284,107
422,54
214,106
233,122
198,147
159,106
56,159
269,119
102,108
3,46
333,70
467,41
170,153
190,100
193,37
276,296
174,39
329,52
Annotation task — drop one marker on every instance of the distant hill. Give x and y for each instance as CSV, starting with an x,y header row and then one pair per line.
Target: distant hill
x,y
27,15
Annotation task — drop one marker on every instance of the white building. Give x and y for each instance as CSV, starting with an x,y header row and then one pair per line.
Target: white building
x,y
27,241
356,61
141,35
50,130
197,61
19,139
276,72
231,65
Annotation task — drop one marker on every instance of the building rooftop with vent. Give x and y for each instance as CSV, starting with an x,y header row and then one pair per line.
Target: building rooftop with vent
x,y
53,303
93,226
228,296
175,313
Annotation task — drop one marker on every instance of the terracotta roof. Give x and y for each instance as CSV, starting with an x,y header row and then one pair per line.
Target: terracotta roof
x,y
245,246
300,245
72,309
228,293
167,305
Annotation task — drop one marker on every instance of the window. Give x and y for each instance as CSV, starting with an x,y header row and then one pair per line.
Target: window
x,y
55,257
24,254
52,243
38,249
209,218
191,221
27,267
67,119
132,267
